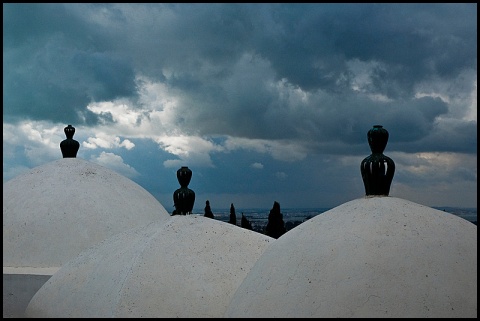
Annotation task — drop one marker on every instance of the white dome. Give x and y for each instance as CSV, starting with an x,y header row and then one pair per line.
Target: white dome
x,y
189,266
54,211
370,257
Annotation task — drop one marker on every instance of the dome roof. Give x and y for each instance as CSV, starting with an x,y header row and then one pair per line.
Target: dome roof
x,y
56,210
370,257
189,266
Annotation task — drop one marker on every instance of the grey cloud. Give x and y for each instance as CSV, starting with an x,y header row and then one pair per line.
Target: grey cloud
x,y
413,119
106,76
57,83
453,136
281,82
51,72
347,119
29,22
78,53
415,40
325,118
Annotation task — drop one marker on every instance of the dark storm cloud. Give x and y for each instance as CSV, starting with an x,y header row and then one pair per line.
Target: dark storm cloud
x,y
222,59
269,96
458,137
52,71
309,44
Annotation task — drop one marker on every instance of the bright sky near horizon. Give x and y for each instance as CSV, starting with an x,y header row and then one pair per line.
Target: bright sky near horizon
x,y
263,102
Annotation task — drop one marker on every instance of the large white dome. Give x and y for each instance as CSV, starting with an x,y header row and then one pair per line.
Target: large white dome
x,y
370,257
54,211
189,266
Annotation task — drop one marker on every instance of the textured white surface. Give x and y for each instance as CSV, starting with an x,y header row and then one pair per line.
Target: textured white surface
x,y
30,270
370,257
189,266
56,210
18,290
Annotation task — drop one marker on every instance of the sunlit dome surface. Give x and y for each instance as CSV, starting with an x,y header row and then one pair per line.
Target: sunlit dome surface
x,y
189,266
54,211
370,257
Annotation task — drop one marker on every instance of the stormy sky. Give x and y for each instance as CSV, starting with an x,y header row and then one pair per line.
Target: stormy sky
x,y
263,102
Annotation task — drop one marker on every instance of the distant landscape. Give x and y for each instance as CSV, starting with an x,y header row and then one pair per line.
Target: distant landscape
x,y
295,216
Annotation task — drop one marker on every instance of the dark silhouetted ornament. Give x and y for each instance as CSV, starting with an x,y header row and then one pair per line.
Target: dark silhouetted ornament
x,y
377,169
183,198
69,146
184,175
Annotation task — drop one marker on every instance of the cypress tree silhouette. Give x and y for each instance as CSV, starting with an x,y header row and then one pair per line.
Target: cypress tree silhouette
x,y
208,210
245,223
275,225
233,216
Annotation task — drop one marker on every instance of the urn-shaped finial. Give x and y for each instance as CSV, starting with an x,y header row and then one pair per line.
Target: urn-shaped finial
x,y
184,197
377,169
69,146
377,138
184,175
69,131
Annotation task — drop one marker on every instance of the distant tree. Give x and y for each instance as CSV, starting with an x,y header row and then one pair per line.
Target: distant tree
x,y
208,210
245,223
275,225
233,216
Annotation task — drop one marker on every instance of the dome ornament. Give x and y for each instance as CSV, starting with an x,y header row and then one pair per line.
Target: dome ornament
x,y
69,146
377,169
183,198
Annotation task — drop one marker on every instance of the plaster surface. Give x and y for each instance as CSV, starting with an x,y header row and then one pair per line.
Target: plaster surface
x,y
189,266
54,211
18,290
370,257
19,286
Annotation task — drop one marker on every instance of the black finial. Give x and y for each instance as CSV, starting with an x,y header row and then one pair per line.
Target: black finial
x,y
183,198
69,146
377,169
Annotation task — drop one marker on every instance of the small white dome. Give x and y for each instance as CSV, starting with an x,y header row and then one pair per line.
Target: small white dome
x,y
188,267
370,257
54,211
